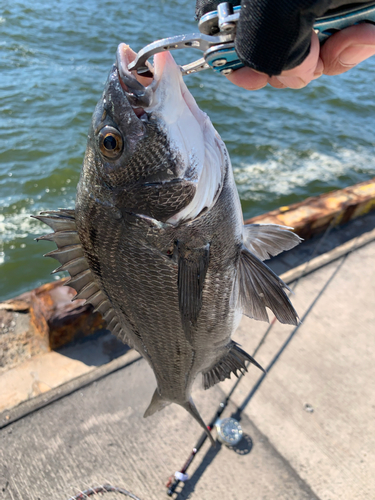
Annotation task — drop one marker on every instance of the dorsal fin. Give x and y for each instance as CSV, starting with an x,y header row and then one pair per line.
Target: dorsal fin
x,y
268,240
70,255
233,360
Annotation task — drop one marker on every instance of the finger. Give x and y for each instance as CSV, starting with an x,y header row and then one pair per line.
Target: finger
x,y
248,79
347,48
319,69
311,68
274,82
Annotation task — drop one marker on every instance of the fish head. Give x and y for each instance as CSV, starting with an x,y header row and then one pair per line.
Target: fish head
x,y
116,130
151,150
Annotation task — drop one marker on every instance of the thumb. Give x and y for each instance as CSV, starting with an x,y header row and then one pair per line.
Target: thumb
x,y
311,68
347,48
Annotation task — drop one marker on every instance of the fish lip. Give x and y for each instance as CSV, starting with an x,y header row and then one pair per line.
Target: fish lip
x,y
138,95
159,102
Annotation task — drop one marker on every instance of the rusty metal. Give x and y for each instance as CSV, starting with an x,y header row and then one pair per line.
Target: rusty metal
x,y
65,321
19,340
43,319
314,215
15,305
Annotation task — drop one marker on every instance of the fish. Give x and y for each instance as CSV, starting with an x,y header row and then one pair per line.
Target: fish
x,y
156,241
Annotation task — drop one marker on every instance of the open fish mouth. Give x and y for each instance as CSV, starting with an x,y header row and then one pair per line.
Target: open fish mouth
x,y
149,94
166,101
138,90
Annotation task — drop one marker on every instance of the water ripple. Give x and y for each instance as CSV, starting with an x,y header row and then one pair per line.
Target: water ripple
x,y
284,145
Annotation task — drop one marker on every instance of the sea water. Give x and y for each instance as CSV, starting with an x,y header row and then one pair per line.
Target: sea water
x,y
285,145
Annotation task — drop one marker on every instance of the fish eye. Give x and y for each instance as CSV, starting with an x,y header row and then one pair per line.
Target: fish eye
x,y
110,143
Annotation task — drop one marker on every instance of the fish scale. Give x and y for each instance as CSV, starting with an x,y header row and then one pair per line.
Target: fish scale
x,y
156,241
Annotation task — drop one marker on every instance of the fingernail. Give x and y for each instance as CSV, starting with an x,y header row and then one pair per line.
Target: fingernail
x,y
319,69
293,82
317,74
355,54
248,78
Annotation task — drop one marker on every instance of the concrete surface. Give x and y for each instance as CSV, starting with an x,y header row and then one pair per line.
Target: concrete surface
x,y
98,435
309,424
329,368
49,370
42,373
322,243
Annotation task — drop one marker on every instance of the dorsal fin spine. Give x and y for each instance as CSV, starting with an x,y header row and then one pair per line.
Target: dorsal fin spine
x,y
70,254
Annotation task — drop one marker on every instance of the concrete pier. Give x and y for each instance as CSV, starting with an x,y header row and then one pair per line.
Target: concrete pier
x,y
309,424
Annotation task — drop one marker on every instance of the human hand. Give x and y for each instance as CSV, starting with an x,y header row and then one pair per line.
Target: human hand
x,y
341,52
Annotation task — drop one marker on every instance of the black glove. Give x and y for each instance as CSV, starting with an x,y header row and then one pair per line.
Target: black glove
x,y
274,35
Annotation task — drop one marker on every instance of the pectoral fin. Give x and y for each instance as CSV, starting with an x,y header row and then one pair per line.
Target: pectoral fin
x,y
235,359
192,269
268,240
260,287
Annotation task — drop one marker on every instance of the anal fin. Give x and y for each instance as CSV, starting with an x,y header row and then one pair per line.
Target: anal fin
x,y
235,359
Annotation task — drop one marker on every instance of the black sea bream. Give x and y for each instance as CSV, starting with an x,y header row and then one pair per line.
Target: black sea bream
x,y
156,241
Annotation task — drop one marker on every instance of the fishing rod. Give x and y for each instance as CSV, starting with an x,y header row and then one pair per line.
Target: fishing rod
x,y
181,475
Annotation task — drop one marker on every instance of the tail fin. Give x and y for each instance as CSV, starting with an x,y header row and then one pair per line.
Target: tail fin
x,y
157,404
191,408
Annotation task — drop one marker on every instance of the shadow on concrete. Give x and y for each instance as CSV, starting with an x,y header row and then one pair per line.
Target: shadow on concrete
x,y
322,243
190,485
244,447
247,444
95,350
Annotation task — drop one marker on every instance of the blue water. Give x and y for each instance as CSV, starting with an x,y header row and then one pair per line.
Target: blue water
x,y
285,145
